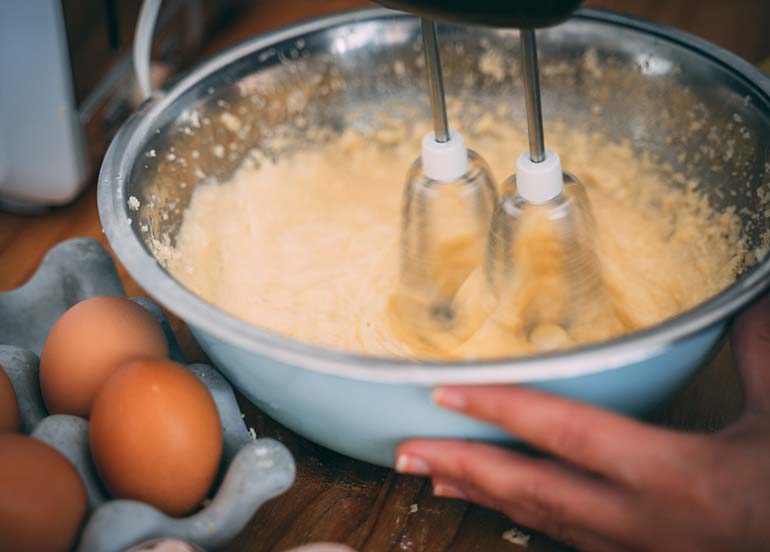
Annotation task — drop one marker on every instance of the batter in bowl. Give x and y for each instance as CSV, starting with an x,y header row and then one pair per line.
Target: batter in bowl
x,y
307,246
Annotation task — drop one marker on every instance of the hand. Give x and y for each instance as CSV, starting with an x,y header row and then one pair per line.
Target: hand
x,y
613,483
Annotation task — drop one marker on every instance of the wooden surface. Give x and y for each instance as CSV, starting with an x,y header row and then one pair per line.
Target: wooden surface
x,y
342,500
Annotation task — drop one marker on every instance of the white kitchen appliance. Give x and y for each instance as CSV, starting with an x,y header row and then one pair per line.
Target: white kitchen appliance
x,y
66,84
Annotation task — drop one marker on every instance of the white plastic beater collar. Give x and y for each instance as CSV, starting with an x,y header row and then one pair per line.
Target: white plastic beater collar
x,y
539,182
444,161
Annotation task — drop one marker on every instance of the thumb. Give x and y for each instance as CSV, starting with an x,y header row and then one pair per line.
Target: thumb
x,y
751,347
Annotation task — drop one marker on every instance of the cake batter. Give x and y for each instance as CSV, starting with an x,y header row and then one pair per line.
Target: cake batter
x,y
307,247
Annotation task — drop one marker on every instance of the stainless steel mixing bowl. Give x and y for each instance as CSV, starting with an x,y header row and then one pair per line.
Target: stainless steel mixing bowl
x,y
667,92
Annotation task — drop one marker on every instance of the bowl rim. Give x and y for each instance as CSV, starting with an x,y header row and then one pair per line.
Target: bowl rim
x,y
210,320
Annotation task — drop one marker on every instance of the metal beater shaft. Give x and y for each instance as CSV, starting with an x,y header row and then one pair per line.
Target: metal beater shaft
x,y
435,80
532,95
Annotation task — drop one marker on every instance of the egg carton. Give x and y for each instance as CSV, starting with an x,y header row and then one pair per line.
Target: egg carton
x,y
252,470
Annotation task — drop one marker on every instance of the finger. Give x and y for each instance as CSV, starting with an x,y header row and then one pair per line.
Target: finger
x,y
557,496
525,517
608,444
751,347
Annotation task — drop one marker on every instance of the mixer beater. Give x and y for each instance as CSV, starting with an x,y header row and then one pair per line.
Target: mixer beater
x,y
448,203
540,264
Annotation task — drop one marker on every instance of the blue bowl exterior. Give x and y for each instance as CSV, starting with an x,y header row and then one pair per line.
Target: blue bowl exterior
x,y
367,420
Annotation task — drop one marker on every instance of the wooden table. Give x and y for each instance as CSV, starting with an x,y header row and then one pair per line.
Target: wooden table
x,y
343,500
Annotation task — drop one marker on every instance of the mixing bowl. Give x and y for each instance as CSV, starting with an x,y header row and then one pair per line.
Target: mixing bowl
x,y
693,108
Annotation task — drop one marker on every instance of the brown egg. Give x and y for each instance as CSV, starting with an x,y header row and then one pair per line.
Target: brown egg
x,y
88,343
155,435
9,407
42,499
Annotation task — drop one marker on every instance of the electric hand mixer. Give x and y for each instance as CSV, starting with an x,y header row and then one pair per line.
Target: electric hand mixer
x,y
540,262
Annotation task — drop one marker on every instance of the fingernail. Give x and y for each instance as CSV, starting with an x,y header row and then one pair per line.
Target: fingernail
x,y
446,490
411,464
449,398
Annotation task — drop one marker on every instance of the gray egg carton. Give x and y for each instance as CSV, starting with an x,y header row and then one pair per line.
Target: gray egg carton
x,y
252,470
